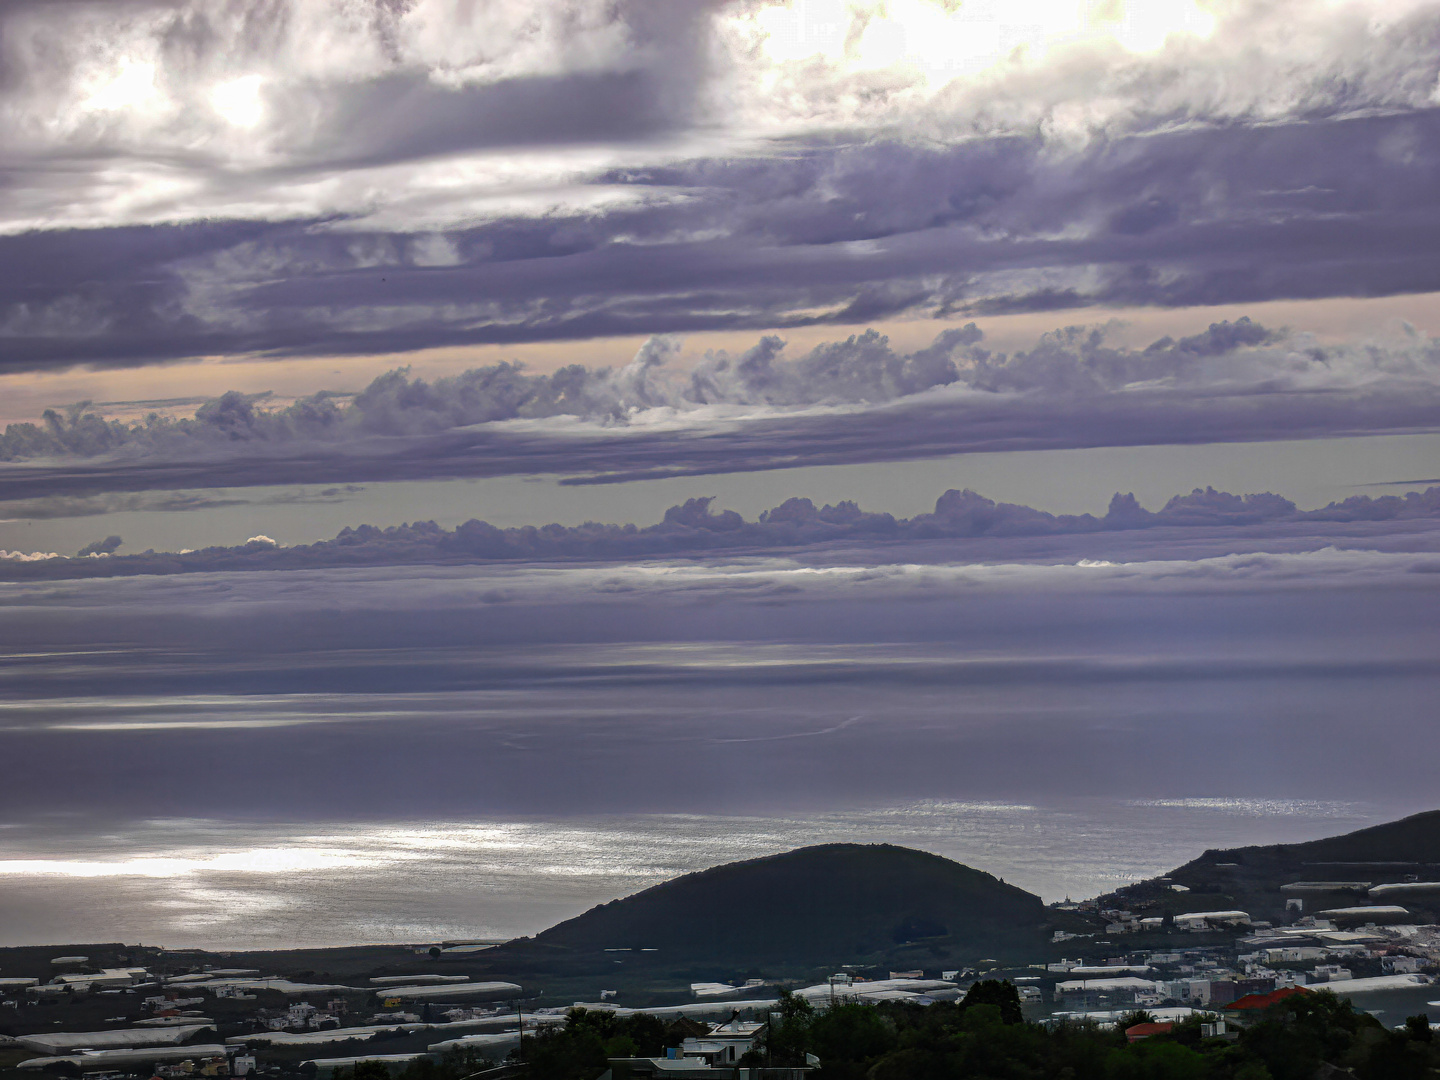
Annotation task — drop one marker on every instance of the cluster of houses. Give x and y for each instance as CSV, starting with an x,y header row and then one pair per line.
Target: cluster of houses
x,y
168,1029
1324,948
172,1037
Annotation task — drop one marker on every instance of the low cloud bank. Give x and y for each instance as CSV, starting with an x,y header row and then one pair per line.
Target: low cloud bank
x,y
851,401
694,528
863,369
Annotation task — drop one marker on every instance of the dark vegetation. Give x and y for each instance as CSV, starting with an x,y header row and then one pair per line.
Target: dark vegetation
x,y
983,1037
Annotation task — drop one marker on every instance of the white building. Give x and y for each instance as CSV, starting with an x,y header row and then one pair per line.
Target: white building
x,y
1209,920
64,1042
725,1044
1294,954
1094,991
1378,914
465,991
1403,965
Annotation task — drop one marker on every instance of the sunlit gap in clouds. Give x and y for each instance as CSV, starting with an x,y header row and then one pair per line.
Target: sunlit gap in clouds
x,y
131,85
239,101
944,40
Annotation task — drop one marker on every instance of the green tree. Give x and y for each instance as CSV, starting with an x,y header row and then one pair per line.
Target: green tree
x,y
1001,993
1299,1033
1156,1059
983,1018
848,1039
574,1052
909,1064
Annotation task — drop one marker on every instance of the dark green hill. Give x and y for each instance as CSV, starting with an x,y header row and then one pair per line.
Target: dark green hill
x,y
1256,878
837,903
1415,839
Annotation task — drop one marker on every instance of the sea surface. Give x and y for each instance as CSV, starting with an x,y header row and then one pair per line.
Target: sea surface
x,y
238,885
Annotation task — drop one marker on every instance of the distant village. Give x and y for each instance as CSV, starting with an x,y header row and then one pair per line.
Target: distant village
x,y
166,1018
1348,951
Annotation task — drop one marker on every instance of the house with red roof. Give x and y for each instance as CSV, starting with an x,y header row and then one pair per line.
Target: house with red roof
x,y
1252,1006
1136,1032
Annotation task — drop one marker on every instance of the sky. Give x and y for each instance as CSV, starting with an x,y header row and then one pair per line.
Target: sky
x,y
446,410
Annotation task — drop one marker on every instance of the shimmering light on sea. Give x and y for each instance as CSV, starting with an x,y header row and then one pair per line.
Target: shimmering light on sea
x,y
232,885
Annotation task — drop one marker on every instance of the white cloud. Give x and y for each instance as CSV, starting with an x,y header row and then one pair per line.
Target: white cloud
x,y
131,87
1069,68
215,91
239,101
946,41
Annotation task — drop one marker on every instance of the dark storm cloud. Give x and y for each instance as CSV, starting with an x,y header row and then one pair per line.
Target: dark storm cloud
x,y
402,118
821,233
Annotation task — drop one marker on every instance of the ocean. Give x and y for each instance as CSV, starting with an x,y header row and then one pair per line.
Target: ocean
x,y
186,883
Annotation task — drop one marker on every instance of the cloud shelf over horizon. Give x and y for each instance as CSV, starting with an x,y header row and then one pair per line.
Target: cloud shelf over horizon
x,y
964,526
852,401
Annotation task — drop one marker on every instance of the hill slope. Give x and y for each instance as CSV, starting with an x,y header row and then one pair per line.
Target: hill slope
x,y
1415,839
1255,878
836,903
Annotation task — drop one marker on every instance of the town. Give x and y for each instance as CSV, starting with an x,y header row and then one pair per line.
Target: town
x,y
143,1012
